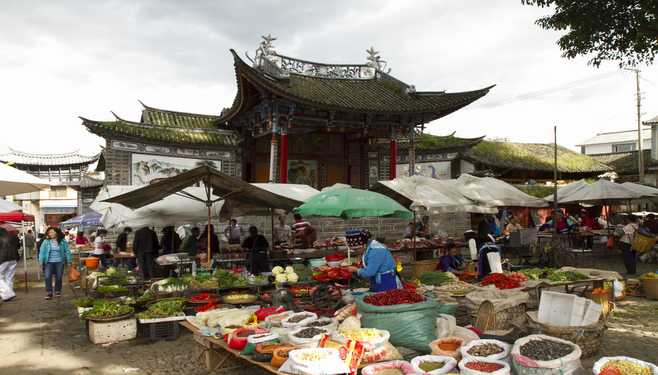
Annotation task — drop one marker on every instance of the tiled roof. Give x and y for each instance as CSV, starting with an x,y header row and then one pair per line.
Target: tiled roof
x,y
140,132
653,121
367,96
531,157
626,162
426,141
615,137
24,158
156,116
88,181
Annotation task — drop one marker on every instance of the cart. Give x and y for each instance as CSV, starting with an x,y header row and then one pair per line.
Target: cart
x,y
534,249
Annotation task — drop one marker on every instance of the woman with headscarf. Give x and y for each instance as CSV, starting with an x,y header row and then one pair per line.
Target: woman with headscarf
x,y
452,260
378,262
628,254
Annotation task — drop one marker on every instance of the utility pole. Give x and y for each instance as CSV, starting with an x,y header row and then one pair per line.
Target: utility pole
x,y
640,153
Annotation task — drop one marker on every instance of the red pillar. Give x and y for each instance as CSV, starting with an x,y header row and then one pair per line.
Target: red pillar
x,y
394,156
284,158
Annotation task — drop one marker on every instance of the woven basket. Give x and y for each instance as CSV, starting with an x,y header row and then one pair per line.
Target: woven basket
x,y
588,338
111,319
240,301
650,287
421,267
604,300
503,319
643,243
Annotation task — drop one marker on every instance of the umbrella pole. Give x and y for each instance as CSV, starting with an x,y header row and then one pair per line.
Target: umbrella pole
x,y
349,252
208,204
24,253
414,237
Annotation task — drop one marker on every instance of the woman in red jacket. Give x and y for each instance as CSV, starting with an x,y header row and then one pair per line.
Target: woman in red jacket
x,y
588,222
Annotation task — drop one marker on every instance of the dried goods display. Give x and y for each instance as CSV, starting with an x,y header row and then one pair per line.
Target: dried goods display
x,y
544,350
394,297
431,366
628,367
485,350
483,366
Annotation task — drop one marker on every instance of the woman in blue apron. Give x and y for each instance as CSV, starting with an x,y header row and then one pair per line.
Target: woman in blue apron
x,y
378,262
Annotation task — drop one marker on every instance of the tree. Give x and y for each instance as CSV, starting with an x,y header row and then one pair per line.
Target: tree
x,y
618,30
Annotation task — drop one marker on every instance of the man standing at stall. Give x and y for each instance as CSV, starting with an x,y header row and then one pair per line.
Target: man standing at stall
x,y
146,247
256,246
233,232
298,229
281,231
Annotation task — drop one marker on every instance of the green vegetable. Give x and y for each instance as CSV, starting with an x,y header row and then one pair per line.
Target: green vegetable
x,y
164,309
105,309
437,278
170,284
226,279
567,276
203,282
84,302
303,272
112,289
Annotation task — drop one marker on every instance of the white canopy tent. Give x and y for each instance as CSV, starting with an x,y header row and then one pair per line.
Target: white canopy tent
x,y
7,206
565,191
491,192
432,195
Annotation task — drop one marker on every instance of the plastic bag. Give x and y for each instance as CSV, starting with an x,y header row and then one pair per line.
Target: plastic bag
x,y
600,364
283,334
419,318
402,365
275,320
449,364
384,337
6,291
467,371
256,339
344,312
448,347
351,322
350,353
73,275
288,324
567,365
330,327
330,365
445,325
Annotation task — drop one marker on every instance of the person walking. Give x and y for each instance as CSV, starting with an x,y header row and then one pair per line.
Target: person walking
x,y
233,232
122,246
54,255
628,254
29,244
9,256
146,247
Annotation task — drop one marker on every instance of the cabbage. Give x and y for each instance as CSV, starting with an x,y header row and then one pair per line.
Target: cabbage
x,y
111,271
290,270
277,270
281,278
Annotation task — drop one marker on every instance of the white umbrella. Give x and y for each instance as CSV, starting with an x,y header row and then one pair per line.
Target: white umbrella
x,y
491,192
6,206
565,191
649,194
420,192
603,192
14,181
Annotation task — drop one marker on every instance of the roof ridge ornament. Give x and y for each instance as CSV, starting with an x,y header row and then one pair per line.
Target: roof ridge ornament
x,y
267,60
375,61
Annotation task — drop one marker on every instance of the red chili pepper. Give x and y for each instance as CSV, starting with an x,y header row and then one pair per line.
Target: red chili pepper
x,y
394,297
211,305
319,277
483,366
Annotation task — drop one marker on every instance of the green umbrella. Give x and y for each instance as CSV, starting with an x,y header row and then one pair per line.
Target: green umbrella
x,y
352,203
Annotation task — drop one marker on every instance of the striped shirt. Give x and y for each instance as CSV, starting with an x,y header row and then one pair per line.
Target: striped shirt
x,y
299,228
55,255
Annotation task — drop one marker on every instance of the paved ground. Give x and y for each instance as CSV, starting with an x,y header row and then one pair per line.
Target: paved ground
x,y
45,336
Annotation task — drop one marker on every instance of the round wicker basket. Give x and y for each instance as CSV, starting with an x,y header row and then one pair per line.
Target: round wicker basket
x,y
421,267
111,319
240,301
588,338
650,287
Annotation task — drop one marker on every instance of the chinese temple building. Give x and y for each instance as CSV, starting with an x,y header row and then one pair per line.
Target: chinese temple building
x,y
293,121
66,174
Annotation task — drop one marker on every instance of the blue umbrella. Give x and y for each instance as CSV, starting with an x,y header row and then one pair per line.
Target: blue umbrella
x,y
90,219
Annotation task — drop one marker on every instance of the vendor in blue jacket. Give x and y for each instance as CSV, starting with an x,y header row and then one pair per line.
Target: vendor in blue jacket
x,y
378,262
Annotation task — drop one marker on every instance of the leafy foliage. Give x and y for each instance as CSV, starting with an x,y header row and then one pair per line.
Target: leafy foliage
x,y
616,30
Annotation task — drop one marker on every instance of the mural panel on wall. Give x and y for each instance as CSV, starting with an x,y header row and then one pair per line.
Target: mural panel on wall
x,y
303,172
438,170
149,169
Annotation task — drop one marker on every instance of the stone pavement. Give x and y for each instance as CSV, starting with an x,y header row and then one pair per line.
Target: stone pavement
x,y
45,336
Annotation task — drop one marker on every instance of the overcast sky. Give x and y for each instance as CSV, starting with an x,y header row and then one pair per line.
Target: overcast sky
x,y
63,59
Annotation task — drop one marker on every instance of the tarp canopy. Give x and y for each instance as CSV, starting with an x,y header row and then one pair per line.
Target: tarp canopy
x,y
420,192
352,203
172,210
90,219
14,181
565,191
16,216
491,192
224,186
650,194
6,206
603,192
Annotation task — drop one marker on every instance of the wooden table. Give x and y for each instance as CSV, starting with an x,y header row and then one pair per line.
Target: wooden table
x,y
218,356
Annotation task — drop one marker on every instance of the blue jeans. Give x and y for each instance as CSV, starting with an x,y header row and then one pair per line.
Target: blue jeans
x,y
56,268
127,261
103,259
